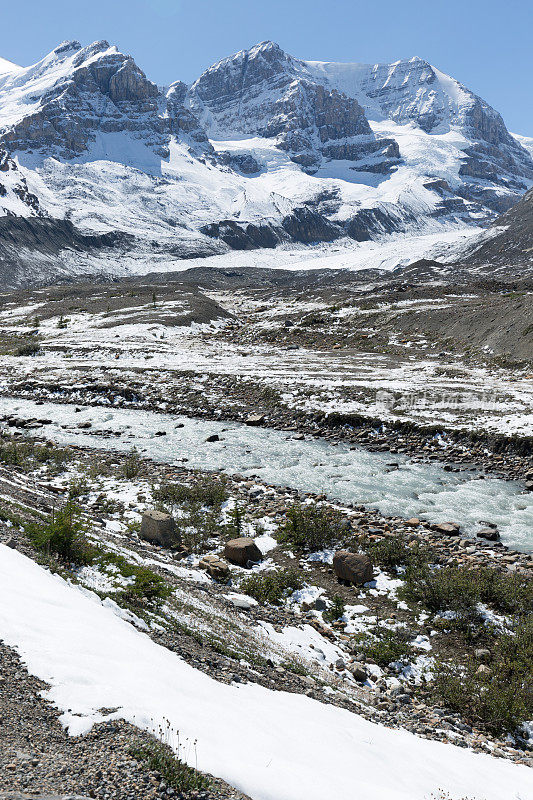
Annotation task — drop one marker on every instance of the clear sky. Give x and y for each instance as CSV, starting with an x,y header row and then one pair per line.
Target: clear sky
x,y
487,45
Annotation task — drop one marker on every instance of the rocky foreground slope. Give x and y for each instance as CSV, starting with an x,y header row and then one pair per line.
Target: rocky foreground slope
x,y
135,629
509,240
262,151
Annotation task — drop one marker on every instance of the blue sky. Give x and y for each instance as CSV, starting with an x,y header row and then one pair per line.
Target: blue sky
x,y
486,45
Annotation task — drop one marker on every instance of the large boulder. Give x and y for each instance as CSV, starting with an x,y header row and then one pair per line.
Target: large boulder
x,y
447,528
352,567
490,534
358,671
255,419
241,551
215,567
159,528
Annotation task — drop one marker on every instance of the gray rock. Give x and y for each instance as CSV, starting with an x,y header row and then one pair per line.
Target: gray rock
x,y
359,672
159,528
242,162
255,419
448,528
320,604
490,534
241,602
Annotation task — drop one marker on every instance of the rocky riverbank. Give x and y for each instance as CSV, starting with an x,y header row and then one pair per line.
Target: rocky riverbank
x,y
507,457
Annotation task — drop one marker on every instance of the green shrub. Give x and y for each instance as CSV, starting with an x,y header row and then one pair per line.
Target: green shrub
x,y
336,611
441,588
272,587
234,527
505,592
13,454
28,349
48,454
110,505
296,667
78,487
312,527
159,757
6,515
132,464
206,492
502,699
147,587
389,553
64,536
199,504
387,647
197,526
460,589
28,456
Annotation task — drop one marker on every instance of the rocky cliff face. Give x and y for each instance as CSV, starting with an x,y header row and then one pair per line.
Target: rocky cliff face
x,y
15,197
262,150
59,106
85,90
265,92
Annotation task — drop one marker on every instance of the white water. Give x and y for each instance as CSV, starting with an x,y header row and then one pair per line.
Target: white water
x,y
349,475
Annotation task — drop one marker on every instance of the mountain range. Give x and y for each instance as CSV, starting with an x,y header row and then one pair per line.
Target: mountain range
x,y
102,171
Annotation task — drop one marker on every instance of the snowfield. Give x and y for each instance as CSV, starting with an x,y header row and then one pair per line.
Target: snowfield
x,y
271,745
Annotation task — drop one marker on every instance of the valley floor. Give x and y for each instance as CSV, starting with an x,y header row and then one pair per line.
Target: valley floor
x,y
455,357
109,394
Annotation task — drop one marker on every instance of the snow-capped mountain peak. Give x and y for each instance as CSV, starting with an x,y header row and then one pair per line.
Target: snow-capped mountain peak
x,y
262,149
266,92
7,67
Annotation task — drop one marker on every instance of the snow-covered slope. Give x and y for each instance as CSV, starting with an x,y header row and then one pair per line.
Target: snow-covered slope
x,y
95,660
8,67
489,158
263,150
525,141
264,91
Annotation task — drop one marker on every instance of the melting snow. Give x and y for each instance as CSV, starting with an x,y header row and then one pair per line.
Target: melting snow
x,y
289,746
